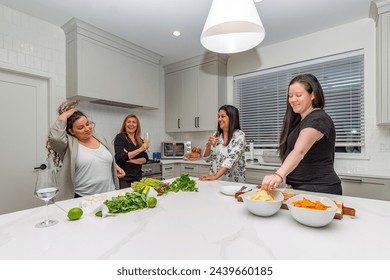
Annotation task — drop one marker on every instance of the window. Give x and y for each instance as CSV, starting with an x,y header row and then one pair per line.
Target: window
x,y
261,98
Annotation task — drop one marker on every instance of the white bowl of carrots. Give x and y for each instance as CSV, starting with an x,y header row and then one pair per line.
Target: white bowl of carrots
x,y
312,210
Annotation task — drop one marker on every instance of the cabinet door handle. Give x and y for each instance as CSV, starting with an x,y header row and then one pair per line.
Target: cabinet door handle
x,y
191,168
195,121
178,123
198,122
351,180
168,168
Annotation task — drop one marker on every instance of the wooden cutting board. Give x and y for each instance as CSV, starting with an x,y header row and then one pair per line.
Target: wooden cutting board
x,y
341,209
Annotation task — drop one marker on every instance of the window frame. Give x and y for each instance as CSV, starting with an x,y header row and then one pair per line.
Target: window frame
x,y
270,85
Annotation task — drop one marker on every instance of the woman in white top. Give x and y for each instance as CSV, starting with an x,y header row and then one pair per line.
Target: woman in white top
x,y
226,148
86,164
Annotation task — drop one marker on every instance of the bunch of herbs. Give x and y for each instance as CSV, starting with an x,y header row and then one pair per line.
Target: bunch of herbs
x,y
126,203
183,183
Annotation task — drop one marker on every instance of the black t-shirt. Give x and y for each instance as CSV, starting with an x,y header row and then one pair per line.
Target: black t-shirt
x,y
133,171
316,171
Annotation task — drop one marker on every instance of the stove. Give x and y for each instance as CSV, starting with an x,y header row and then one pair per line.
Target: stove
x,y
152,169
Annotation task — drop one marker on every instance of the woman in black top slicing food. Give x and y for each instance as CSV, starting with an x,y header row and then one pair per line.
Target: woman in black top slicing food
x,y
307,141
130,150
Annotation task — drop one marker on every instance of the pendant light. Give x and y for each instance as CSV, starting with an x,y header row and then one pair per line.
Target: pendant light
x,y
232,26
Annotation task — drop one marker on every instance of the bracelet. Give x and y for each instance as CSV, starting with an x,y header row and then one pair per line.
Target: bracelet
x,y
278,175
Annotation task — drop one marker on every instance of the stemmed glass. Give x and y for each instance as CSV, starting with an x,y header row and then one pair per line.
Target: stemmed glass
x,y
147,138
46,187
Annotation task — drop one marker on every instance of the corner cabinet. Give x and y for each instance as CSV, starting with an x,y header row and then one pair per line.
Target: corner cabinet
x,y
194,90
380,11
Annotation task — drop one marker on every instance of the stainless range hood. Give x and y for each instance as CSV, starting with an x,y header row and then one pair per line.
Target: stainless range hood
x,y
102,68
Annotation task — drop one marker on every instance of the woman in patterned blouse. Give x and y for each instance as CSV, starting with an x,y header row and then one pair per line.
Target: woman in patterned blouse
x,y
226,148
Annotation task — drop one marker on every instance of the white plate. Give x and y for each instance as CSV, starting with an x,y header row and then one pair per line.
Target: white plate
x,y
230,190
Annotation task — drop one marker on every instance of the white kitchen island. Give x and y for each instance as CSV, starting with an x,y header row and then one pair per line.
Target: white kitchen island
x,y
196,226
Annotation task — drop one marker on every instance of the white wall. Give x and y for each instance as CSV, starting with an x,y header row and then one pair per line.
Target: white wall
x,y
35,47
356,35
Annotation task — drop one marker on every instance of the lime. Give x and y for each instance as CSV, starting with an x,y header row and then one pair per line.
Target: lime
x,y
151,201
75,213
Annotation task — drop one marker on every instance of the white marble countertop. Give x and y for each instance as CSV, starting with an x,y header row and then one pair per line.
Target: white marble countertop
x,y
199,225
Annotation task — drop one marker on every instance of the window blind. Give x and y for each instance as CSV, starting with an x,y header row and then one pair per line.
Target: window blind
x,y
261,98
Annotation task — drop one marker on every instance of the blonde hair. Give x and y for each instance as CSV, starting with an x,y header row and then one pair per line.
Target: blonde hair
x,y
137,134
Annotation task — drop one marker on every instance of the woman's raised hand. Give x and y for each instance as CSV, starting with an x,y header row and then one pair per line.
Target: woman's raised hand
x,y
213,140
65,115
145,146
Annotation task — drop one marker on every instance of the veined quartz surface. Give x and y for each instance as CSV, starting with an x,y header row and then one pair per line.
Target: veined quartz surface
x,y
196,226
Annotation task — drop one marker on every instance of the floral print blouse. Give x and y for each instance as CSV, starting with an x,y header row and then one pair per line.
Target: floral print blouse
x,y
231,157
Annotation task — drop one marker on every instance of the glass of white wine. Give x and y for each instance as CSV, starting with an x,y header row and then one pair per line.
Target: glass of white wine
x,y
46,187
147,138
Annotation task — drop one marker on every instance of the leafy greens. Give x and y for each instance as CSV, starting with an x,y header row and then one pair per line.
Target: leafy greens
x,y
183,183
126,203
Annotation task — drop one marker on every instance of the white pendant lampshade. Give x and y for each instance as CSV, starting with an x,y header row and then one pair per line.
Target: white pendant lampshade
x,y
232,26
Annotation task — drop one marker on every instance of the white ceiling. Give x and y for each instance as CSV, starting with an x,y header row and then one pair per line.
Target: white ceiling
x,y
150,23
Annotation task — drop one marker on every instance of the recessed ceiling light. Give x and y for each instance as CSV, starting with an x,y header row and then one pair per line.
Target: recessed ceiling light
x,y
257,1
176,33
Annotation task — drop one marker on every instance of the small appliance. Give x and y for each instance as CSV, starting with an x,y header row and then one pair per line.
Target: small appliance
x,y
175,149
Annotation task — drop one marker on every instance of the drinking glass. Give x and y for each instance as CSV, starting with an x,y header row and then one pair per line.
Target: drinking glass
x,y
216,138
147,138
46,187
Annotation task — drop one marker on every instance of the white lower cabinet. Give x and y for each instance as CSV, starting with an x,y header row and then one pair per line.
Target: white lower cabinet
x,y
173,170
356,186
203,169
190,169
194,170
255,176
170,170
373,188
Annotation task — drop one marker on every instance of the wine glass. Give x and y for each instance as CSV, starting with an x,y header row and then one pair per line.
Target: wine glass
x,y
147,138
46,187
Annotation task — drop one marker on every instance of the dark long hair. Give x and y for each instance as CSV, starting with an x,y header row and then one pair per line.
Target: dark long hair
x,y
74,117
137,134
291,119
234,121
64,106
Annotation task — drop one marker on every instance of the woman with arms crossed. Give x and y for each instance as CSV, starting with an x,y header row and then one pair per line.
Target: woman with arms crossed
x,y
130,150
226,149
307,141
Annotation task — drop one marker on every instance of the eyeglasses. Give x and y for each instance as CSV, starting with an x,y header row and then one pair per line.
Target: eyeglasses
x,y
90,125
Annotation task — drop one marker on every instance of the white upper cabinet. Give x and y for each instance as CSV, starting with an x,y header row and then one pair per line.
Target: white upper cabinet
x,y
173,86
194,90
105,69
380,11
